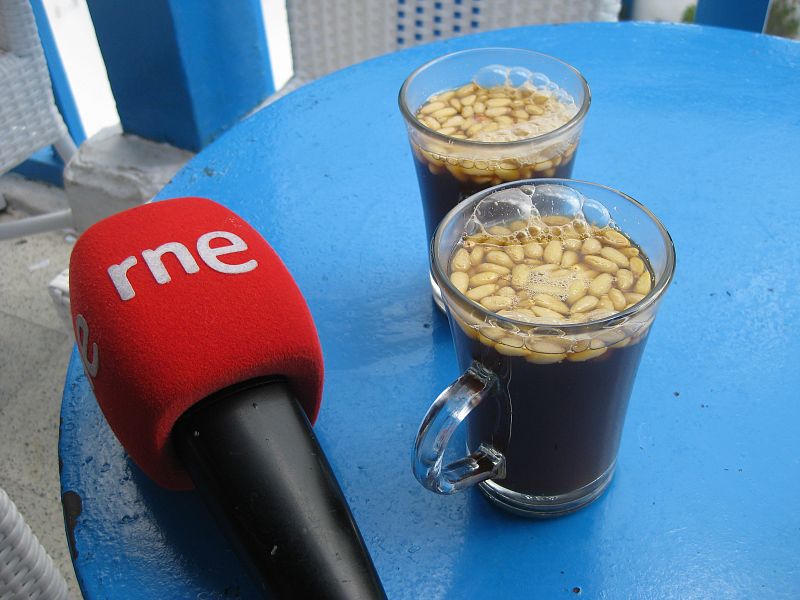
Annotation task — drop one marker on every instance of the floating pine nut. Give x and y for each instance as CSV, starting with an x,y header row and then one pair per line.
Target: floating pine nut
x,y
533,109
481,291
617,298
569,258
494,268
444,113
541,311
432,123
606,303
585,304
515,253
551,303
497,111
586,354
553,252
573,244
520,275
598,263
637,266
460,260
432,108
507,291
465,91
498,257
497,102
630,252
467,112
533,250
480,108
643,284
504,347
633,297
624,279
576,291
474,129
601,284
476,256
455,103
453,121
468,100
614,256
495,303
614,238
461,280
483,278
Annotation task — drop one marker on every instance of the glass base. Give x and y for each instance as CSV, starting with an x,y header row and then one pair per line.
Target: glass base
x,y
546,506
437,293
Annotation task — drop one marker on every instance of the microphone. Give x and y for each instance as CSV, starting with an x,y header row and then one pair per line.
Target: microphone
x,y
205,361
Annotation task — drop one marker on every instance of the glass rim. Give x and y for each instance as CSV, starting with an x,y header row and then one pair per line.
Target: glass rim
x,y
412,120
613,320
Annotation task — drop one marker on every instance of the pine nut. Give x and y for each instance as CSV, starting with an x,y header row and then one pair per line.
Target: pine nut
x,y
460,280
599,263
483,278
624,279
460,260
432,108
551,303
601,284
498,257
585,304
481,291
553,252
614,256
495,112
494,268
495,303
576,291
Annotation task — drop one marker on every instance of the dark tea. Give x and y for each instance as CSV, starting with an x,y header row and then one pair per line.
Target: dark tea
x,y
570,391
490,121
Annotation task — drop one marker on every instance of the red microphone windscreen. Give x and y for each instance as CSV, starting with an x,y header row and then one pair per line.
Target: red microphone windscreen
x,y
173,301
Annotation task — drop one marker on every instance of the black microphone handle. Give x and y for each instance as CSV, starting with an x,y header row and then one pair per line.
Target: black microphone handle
x,y
255,460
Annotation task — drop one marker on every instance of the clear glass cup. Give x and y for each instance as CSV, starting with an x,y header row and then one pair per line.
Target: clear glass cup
x,y
566,385
449,169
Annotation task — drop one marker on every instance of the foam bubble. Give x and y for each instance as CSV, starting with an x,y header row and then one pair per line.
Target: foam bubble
x,y
492,76
548,210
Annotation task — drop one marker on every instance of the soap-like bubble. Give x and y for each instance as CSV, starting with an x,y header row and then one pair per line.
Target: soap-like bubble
x,y
519,76
595,213
491,76
555,199
540,80
503,206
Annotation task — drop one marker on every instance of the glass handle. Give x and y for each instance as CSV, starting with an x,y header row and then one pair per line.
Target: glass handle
x,y
443,418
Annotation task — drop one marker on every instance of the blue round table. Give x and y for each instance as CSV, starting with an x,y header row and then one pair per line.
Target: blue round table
x,y
700,124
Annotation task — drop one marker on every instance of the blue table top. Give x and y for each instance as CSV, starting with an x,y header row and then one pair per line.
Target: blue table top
x,y
700,124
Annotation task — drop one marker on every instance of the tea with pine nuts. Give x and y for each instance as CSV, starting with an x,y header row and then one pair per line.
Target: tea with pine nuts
x,y
540,277
487,112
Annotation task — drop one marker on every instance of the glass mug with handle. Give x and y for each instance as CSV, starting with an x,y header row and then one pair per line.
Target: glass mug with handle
x,y
551,287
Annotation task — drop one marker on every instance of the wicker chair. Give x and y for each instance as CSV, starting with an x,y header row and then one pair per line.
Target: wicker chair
x,y
327,35
26,570
29,119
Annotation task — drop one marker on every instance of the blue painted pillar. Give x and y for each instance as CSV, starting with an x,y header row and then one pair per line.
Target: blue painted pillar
x,y
749,15
182,72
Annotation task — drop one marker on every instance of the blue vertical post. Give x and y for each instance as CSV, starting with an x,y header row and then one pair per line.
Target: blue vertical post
x,y
750,15
182,72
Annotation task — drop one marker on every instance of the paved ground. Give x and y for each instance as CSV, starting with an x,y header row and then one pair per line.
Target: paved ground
x,y
34,351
